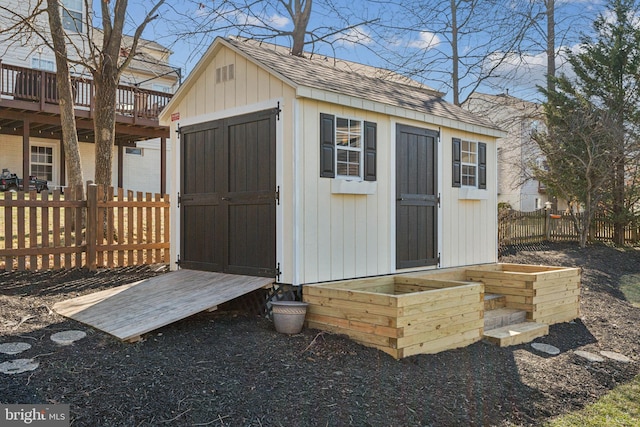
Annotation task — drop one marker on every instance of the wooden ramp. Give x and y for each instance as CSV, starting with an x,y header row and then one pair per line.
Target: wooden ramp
x,y
131,310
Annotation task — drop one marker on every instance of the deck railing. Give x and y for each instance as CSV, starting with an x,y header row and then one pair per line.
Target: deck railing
x,y
39,86
107,228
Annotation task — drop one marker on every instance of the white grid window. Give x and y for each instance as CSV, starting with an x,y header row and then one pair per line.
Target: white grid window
x,y
349,148
42,162
469,163
161,88
42,64
72,15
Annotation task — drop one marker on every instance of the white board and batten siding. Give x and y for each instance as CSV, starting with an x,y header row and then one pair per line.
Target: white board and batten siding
x,y
469,217
353,235
343,235
250,90
323,232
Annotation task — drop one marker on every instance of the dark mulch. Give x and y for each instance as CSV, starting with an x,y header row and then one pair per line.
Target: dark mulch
x,y
233,369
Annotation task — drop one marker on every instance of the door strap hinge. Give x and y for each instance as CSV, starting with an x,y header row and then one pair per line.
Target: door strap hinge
x,y
278,195
179,199
278,111
278,272
438,199
178,262
438,259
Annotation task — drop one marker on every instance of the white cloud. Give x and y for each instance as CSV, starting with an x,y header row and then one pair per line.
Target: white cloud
x,y
526,70
610,18
278,21
427,40
354,36
274,20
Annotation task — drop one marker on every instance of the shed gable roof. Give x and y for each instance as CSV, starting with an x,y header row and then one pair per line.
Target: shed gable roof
x,y
349,78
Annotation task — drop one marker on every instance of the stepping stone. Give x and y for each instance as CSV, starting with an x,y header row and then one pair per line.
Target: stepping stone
x,y
67,337
616,356
545,348
18,366
14,347
591,357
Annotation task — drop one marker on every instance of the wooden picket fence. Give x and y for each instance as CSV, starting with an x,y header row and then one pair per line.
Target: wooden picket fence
x,y
107,228
517,228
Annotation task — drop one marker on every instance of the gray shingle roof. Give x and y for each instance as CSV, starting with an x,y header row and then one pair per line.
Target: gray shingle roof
x,y
357,80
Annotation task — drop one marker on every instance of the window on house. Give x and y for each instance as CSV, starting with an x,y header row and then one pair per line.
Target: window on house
x,y
134,151
469,159
42,64
541,163
72,15
347,148
42,162
161,88
469,167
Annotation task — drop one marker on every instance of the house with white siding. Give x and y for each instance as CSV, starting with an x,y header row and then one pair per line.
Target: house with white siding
x,y
30,135
313,169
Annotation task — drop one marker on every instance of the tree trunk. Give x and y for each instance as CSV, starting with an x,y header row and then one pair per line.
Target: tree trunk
x,y
619,211
105,122
65,98
551,44
300,17
455,57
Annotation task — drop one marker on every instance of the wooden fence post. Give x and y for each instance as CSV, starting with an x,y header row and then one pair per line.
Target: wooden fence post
x,y
92,226
547,224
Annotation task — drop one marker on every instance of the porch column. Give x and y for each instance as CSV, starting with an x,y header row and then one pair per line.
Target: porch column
x,y
163,165
26,153
120,165
63,165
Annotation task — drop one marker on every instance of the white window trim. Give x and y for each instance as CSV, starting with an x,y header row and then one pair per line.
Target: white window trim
x,y
472,193
129,151
66,9
36,62
463,163
161,88
54,161
340,147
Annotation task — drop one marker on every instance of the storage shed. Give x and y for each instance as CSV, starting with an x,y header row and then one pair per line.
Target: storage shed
x,y
312,169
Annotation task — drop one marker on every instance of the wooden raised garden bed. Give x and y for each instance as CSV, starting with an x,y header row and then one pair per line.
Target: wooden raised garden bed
x,y
548,294
432,311
399,315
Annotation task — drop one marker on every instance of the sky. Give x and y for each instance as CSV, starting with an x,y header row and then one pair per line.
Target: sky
x,y
421,52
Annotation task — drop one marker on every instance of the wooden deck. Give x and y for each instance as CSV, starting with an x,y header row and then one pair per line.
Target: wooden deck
x,y
134,309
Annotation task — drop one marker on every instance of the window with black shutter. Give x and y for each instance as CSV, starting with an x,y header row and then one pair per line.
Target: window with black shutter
x,y
370,147
327,146
469,163
456,177
482,165
347,148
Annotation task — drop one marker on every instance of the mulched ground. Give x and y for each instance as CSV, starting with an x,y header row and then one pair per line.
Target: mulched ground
x,y
233,369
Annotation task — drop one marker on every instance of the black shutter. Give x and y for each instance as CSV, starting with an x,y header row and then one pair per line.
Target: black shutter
x,y
327,146
482,165
456,167
370,146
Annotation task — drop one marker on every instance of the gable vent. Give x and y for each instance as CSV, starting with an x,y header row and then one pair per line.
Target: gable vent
x,y
225,73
